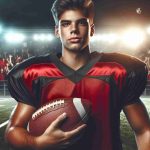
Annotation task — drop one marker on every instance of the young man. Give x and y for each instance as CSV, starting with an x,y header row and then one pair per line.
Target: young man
x,y
111,81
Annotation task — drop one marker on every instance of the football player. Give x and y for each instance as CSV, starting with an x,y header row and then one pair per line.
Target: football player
x,y
111,81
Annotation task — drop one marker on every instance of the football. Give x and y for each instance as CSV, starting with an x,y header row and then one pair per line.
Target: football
x,y
77,109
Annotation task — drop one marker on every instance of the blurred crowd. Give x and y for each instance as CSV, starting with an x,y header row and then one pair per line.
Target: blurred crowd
x,y
10,54
9,58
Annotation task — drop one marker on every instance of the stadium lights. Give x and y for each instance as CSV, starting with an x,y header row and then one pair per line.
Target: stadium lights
x,y
110,38
35,37
148,30
1,29
133,37
43,37
14,37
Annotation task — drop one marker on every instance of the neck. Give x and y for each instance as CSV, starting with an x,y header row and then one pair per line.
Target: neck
x,y
75,60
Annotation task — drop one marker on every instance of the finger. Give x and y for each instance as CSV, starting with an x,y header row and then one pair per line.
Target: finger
x,y
59,120
76,131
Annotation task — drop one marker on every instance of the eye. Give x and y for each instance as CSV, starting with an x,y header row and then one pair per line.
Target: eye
x,y
65,24
83,22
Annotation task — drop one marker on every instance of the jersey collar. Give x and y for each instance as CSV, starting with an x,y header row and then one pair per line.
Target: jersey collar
x,y
75,75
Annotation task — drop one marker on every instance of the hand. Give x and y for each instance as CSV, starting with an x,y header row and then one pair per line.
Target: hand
x,y
54,137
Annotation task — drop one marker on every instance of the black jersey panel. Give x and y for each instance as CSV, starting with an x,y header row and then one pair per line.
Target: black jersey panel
x,y
134,87
16,85
76,75
19,91
136,77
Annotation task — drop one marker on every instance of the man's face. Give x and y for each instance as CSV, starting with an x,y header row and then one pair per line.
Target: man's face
x,y
74,30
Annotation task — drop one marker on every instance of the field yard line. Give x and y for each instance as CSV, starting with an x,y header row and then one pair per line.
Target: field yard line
x,y
145,99
2,105
4,123
4,100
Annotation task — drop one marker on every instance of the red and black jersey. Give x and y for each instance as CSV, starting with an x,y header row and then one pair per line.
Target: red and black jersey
x,y
109,80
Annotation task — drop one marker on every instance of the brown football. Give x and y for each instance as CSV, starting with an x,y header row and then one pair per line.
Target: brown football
x,y
78,111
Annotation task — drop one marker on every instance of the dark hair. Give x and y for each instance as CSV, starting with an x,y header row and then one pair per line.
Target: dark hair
x,y
59,6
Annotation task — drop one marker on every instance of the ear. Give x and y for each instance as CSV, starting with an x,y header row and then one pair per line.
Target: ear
x,y
57,31
92,30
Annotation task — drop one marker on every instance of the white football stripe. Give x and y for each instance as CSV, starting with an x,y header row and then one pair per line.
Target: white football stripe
x,y
79,107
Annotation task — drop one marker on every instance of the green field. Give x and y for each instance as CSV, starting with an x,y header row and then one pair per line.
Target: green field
x,y
6,106
126,131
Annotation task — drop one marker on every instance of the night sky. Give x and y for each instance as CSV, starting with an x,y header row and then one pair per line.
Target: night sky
x,y
37,14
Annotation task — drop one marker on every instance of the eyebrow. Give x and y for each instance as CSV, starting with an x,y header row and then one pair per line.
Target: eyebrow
x,y
81,19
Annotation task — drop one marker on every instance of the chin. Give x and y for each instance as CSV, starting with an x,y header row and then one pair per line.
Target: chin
x,y
76,47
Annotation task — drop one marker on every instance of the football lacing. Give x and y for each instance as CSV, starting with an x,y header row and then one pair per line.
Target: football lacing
x,y
47,107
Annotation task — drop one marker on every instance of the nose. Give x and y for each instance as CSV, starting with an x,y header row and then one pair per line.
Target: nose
x,y
74,28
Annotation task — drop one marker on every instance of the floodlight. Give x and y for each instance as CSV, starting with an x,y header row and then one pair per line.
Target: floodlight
x,y
14,37
108,37
35,37
50,37
1,29
133,37
43,37
148,30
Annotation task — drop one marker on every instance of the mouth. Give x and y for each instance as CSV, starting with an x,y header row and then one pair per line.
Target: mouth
x,y
75,39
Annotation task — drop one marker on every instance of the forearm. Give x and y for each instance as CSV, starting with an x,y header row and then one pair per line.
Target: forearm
x,y
143,140
19,138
